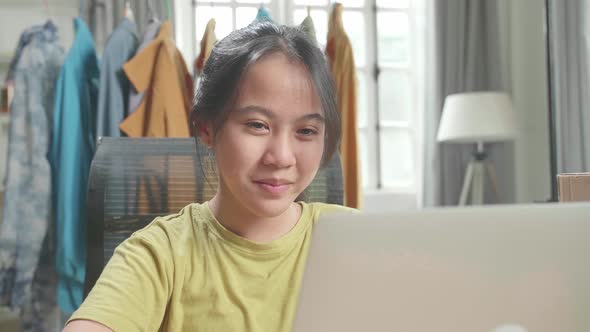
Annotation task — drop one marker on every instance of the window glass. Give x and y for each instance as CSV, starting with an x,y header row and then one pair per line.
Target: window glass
x,y
354,25
397,163
399,4
223,16
393,29
394,96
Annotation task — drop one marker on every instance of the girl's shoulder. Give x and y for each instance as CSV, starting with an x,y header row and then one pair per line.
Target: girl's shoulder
x,y
173,227
320,209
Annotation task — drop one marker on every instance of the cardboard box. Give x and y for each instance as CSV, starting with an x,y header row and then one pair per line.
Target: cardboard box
x,y
574,187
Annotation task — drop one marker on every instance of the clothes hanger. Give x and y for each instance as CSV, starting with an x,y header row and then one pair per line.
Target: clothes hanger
x,y
49,18
168,10
46,4
82,8
151,13
129,12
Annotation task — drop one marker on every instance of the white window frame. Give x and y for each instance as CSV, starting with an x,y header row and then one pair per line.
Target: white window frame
x,y
367,70
272,5
375,193
413,69
382,198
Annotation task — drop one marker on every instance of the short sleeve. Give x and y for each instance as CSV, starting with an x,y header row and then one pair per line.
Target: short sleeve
x,y
133,291
321,209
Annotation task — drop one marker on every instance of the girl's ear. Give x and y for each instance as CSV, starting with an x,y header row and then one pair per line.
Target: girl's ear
x,y
205,132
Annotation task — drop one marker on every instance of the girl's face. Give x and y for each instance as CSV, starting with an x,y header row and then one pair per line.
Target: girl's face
x,y
270,148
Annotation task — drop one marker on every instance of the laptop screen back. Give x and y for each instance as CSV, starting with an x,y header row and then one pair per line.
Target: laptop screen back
x,y
503,268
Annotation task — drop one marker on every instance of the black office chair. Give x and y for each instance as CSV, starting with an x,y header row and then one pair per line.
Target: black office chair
x,y
134,180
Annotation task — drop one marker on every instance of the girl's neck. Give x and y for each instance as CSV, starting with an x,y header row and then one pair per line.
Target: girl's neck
x,y
239,220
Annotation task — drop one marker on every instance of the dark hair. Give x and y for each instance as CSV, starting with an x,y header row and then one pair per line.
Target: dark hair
x,y
232,56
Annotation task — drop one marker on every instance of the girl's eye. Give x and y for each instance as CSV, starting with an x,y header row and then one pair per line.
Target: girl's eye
x,y
257,125
307,132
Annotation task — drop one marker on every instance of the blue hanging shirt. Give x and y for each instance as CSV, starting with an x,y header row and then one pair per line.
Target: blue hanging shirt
x,y
72,149
150,33
263,14
114,86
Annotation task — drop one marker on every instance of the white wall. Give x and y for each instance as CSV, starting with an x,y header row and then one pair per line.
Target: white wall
x,y
530,95
17,15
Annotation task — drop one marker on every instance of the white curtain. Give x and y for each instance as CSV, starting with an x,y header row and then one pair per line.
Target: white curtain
x,y
569,36
465,54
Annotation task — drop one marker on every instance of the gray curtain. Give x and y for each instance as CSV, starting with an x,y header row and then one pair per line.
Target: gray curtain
x,y
105,15
466,55
569,23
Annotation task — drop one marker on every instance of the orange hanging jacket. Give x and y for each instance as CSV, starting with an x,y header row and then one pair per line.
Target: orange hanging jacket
x,y
341,60
161,72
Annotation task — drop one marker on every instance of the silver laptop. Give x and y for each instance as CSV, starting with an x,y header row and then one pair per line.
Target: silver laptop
x,y
521,268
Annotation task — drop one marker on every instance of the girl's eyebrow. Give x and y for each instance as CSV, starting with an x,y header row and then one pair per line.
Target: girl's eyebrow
x,y
258,109
271,115
313,116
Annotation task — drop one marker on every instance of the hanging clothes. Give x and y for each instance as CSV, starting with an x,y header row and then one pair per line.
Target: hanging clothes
x,y
309,28
114,91
161,72
27,271
25,40
207,42
72,148
105,15
341,60
135,98
113,94
263,14
150,33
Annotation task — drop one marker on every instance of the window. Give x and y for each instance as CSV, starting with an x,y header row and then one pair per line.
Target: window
x,y
397,68
387,72
356,15
387,49
229,15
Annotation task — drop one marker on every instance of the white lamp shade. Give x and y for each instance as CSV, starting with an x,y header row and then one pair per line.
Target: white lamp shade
x,y
477,117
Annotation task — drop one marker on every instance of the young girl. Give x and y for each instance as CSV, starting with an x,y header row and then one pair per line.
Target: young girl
x,y
266,106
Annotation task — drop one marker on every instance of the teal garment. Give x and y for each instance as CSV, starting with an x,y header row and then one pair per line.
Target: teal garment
x,y
72,148
263,14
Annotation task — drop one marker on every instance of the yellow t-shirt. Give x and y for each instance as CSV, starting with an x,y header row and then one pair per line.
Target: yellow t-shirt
x,y
186,272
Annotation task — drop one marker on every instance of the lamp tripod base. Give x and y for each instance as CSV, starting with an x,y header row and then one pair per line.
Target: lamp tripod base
x,y
474,180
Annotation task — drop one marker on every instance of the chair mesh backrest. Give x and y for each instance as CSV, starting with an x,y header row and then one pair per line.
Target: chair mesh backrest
x,y
134,180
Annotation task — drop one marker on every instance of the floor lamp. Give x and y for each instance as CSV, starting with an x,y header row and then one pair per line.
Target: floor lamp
x,y
480,118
